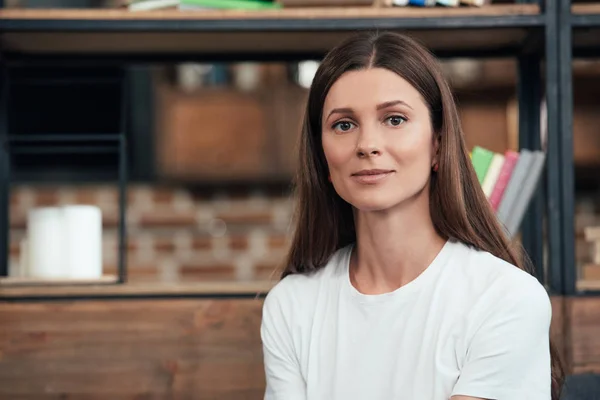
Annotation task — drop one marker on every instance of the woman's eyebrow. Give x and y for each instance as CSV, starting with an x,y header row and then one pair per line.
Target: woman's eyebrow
x,y
392,103
347,110
340,111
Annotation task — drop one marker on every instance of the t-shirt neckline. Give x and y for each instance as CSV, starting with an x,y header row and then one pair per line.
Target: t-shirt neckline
x,y
404,290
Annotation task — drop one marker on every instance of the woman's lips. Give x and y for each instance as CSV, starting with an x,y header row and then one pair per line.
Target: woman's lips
x,y
370,178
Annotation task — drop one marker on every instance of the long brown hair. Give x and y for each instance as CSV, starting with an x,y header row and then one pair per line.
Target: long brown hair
x,y
324,222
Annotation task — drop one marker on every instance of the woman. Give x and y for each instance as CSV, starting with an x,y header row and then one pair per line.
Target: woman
x,y
400,282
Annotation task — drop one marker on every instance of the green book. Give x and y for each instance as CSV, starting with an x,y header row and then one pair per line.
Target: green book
x,y
482,158
233,4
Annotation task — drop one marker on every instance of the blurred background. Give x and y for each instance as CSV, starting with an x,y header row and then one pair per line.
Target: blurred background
x,y
211,158
147,190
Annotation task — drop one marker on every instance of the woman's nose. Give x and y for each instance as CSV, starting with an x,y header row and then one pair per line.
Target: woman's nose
x,y
368,145
367,151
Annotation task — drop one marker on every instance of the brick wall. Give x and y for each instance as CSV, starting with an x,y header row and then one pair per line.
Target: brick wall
x,y
175,234
178,235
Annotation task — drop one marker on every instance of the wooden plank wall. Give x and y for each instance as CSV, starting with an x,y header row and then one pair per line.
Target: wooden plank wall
x,y
180,349
584,315
133,349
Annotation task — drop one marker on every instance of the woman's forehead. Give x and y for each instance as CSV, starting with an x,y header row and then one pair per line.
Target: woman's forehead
x,y
369,88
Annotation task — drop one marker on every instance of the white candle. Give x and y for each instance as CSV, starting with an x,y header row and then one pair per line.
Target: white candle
x,y
82,230
45,235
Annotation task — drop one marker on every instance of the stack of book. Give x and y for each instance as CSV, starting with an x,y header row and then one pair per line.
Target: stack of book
x,y
139,5
432,3
509,181
227,5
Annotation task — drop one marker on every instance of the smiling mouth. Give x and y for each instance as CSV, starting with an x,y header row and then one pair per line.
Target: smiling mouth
x,y
371,177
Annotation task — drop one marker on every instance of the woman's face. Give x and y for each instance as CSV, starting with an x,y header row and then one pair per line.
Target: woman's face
x,y
377,139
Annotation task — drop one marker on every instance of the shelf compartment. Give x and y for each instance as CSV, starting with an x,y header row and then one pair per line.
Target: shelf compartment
x,y
66,109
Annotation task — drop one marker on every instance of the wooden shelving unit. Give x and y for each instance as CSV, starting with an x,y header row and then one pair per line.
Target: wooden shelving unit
x,y
523,31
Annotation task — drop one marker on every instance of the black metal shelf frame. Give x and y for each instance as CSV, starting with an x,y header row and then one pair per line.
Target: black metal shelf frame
x,y
551,199
59,144
584,20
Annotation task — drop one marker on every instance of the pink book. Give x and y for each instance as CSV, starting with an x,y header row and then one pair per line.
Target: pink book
x,y
510,160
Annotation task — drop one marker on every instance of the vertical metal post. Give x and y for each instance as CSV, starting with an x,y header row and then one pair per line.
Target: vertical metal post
x,y
553,182
567,170
123,180
4,171
529,94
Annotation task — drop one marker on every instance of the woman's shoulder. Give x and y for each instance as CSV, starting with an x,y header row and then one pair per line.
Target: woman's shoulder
x,y
485,264
497,281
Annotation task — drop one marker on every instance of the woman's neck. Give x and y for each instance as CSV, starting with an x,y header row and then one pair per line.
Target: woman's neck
x,y
393,247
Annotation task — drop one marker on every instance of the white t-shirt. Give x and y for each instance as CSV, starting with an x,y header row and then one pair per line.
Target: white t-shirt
x,y
471,324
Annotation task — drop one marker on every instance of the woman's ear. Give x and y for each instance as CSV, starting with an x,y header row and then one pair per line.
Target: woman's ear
x,y
435,158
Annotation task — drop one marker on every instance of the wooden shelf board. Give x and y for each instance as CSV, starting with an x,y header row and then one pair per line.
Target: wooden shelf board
x,y
309,13
584,285
23,281
140,290
587,8
214,43
298,30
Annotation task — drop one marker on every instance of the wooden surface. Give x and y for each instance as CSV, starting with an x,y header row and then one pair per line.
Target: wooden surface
x,y
286,13
200,138
254,288
226,43
151,36
181,349
584,315
588,284
177,349
591,8
23,281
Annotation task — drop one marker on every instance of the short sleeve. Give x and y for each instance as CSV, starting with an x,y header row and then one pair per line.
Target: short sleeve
x,y
508,355
283,378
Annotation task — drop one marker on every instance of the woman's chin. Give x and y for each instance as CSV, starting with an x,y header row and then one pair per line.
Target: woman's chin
x,y
374,205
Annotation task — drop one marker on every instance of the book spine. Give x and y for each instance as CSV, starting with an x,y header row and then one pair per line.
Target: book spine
x,y
510,160
476,3
528,187
514,187
153,5
491,177
422,3
481,161
233,4
448,3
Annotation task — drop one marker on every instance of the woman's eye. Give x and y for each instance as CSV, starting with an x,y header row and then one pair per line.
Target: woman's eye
x,y
396,120
343,126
